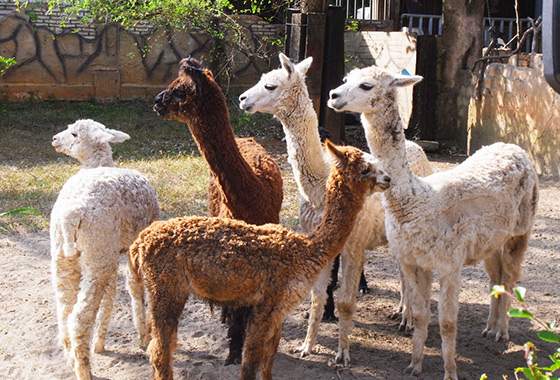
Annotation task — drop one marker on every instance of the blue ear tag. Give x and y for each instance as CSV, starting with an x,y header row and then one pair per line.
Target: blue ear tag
x,y
405,72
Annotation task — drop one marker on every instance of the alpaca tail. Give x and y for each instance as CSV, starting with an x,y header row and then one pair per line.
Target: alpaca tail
x,y
135,286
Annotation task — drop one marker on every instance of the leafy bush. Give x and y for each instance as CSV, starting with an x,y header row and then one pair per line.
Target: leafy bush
x,y
533,371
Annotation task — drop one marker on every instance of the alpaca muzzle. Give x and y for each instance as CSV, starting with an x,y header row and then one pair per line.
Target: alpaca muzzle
x,y
159,106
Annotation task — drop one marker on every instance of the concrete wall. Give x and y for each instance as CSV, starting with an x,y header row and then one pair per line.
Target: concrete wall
x,y
395,51
108,62
518,106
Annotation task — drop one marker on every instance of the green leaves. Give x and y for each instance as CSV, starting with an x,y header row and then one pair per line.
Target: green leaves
x,y
520,313
549,336
533,371
5,64
519,292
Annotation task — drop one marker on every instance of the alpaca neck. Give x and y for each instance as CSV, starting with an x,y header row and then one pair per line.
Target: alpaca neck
x,y
305,152
100,157
384,130
341,210
214,137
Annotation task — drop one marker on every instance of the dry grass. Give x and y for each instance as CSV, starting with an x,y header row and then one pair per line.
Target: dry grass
x,y
32,173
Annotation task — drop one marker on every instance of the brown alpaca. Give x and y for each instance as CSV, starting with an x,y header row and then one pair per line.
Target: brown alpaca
x,y
246,183
229,262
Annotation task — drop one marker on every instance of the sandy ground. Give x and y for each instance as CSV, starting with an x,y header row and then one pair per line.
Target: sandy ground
x,y
28,327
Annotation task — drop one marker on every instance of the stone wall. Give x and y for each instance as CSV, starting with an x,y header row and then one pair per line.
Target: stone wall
x,y
108,62
518,106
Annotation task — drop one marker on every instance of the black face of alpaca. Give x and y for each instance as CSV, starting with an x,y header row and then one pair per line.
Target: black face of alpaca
x,y
188,86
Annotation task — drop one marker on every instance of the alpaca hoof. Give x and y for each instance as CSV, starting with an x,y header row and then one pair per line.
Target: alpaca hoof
x,y
395,315
414,369
304,350
233,359
497,333
363,290
343,357
81,368
99,346
450,376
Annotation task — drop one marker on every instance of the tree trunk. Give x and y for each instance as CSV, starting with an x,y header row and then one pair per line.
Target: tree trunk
x,y
462,33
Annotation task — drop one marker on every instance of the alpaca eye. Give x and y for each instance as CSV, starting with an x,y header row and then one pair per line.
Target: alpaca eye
x,y
366,171
366,86
270,87
74,134
179,95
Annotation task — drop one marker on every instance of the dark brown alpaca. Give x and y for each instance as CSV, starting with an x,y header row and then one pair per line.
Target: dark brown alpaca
x,y
246,183
229,262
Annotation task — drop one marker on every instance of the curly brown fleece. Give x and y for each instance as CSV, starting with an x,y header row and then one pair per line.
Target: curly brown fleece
x,y
229,262
245,184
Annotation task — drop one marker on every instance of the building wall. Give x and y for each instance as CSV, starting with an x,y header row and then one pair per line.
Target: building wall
x,y
107,62
395,51
518,106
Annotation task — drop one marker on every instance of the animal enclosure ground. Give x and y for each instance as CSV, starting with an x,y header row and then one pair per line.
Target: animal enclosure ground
x,y
28,326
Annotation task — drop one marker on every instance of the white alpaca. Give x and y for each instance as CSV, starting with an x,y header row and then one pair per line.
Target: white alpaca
x,y
482,209
283,93
97,215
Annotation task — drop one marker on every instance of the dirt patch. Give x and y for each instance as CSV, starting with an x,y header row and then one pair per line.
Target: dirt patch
x,y
28,325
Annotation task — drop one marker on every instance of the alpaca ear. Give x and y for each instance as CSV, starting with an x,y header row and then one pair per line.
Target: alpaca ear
x,y
304,65
101,136
286,63
403,80
118,136
338,158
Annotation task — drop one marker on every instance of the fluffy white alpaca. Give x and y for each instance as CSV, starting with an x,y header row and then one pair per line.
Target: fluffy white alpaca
x,y
482,209
97,215
283,93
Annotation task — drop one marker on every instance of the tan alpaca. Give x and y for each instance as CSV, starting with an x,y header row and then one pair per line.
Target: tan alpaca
x,y
245,184
269,268
482,209
283,93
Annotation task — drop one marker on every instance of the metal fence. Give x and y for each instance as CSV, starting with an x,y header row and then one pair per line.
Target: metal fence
x,y
366,9
506,27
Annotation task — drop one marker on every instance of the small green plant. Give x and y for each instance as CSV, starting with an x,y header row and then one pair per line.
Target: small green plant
x,y
5,64
22,211
533,371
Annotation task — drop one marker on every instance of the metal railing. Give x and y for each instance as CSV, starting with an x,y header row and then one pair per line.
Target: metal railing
x,y
366,9
507,27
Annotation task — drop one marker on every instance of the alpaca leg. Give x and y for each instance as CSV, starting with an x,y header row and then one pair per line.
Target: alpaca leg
x,y
329,306
166,306
271,350
65,273
363,287
135,288
404,309
104,314
82,319
236,333
418,293
504,269
318,299
448,311
353,261
263,336
493,266
514,253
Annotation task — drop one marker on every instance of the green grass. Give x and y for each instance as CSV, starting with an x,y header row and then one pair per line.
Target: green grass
x,y
32,172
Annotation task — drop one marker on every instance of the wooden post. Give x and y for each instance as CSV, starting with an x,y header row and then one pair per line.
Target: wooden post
x,y
296,35
333,72
315,47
